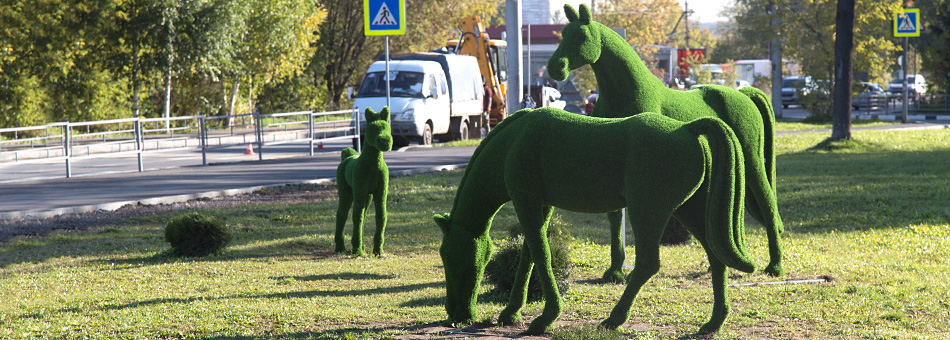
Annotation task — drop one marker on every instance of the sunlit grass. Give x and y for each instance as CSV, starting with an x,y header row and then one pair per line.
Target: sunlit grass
x,y
872,214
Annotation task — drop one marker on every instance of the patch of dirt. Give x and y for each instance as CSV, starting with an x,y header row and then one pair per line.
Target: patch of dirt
x,y
287,194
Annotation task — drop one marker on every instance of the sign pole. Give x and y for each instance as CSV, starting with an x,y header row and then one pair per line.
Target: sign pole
x,y
387,72
904,95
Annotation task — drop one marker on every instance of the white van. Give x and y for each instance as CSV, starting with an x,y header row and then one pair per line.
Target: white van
x,y
432,95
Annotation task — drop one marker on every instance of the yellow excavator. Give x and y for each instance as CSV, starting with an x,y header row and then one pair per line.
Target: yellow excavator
x,y
492,55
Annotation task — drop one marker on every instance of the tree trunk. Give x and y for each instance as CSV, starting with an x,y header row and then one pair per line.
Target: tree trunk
x,y
844,47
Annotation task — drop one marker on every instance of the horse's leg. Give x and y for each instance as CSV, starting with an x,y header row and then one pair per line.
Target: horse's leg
x,y
345,193
519,291
534,219
379,200
719,274
647,225
762,205
359,211
617,254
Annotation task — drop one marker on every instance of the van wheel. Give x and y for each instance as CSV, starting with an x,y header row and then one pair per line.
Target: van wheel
x,y
463,131
427,135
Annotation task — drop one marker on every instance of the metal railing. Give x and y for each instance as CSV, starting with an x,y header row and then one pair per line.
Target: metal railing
x,y
66,141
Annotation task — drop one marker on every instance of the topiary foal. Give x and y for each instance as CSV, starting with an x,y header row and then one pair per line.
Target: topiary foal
x,y
362,177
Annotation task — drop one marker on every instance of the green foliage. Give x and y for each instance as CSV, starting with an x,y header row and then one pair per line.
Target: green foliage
x,y
196,234
503,266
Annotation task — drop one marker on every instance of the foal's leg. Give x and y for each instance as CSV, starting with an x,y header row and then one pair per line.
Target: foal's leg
x,y
617,254
534,219
519,291
359,212
345,192
379,200
647,227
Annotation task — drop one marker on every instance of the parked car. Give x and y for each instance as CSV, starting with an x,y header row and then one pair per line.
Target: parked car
x,y
916,86
871,96
795,87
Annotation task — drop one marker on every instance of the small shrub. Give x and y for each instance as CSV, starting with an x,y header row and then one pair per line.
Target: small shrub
x,y
502,268
195,234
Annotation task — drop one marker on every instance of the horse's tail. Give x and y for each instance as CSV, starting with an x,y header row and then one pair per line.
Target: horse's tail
x,y
724,201
347,153
768,128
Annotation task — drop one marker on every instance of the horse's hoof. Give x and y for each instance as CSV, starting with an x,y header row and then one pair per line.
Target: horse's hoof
x,y
340,250
614,276
609,324
536,329
359,253
709,328
508,319
774,270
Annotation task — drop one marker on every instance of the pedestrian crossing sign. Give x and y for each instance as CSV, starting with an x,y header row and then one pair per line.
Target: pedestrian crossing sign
x,y
907,23
384,17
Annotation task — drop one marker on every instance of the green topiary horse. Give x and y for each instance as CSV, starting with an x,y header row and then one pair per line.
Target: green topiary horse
x,y
654,166
362,177
627,88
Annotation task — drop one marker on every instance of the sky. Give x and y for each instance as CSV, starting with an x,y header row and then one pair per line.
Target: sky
x,y
707,10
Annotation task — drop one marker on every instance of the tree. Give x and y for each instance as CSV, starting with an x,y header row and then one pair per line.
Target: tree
x,y
844,35
807,31
935,44
647,22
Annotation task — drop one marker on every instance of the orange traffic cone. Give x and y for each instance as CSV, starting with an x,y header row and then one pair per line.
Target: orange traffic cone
x,y
320,145
250,150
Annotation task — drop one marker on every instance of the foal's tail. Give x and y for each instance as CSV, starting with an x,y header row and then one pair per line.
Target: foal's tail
x,y
725,172
347,153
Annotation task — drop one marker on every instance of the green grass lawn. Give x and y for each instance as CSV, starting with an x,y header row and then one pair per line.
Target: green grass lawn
x,y
873,215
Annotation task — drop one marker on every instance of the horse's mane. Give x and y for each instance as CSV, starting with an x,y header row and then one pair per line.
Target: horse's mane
x,y
487,140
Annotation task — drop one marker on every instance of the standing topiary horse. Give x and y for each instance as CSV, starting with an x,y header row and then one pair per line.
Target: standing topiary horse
x,y
364,176
654,166
627,88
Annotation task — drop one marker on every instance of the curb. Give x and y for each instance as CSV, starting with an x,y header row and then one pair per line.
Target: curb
x,y
12,215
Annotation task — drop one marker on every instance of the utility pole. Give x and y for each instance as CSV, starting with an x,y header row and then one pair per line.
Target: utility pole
x,y
515,54
686,16
775,57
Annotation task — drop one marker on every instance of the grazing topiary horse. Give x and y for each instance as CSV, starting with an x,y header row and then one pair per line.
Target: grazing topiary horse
x,y
364,176
654,166
627,88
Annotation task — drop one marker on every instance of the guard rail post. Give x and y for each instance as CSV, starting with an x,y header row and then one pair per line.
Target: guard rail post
x,y
260,135
203,139
356,130
67,147
139,141
310,127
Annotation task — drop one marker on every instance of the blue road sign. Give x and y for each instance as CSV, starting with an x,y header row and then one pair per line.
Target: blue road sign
x,y
384,17
907,23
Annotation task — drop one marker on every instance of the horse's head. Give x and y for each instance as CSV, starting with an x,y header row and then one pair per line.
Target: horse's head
x,y
580,44
464,256
377,132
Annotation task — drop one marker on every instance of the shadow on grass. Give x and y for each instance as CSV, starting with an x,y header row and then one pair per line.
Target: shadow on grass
x,y
282,295
339,276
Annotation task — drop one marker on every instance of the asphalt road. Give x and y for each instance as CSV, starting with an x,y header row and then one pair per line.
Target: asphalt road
x,y
109,191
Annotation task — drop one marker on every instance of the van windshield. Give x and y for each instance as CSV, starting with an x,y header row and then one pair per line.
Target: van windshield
x,y
899,81
793,82
402,84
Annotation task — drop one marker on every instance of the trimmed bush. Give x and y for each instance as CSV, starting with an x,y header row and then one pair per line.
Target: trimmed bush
x,y
503,266
195,235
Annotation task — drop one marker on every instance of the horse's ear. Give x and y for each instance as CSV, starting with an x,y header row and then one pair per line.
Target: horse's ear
x,y
585,14
570,12
384,114
370,114
443,221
